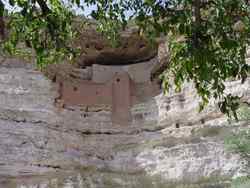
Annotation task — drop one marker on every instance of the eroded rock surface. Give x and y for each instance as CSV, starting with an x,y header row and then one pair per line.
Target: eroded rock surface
x,y
96,49
168,137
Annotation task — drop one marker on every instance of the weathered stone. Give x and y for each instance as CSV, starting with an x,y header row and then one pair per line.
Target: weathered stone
x,y
139,73
163,57
67,72
96,49
15,62
167,137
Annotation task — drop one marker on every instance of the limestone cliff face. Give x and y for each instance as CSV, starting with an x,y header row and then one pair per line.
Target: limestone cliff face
x,y
168,138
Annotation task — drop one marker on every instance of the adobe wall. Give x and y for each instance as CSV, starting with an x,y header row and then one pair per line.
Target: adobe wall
x,y
120,87
139,73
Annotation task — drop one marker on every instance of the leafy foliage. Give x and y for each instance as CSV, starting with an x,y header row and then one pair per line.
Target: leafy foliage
x,y
241,182
46,30
244,112
239,142
207,39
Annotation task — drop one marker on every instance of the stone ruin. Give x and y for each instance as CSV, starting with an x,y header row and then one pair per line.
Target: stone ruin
x,y
111,77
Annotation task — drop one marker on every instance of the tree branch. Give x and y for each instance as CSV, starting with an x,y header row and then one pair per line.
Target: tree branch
x,y
197,16
44,7
2,25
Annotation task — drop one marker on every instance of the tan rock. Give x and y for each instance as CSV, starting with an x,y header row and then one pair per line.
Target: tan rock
x,y
96,49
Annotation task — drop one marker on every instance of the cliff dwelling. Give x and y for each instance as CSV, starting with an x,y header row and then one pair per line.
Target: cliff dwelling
x,y
107,114
114,77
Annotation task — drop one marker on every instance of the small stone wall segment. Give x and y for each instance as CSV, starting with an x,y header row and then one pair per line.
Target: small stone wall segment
x,y
139,73
85,93
121,99
116,93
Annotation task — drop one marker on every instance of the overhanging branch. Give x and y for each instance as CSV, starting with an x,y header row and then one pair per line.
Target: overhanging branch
x,y
2,25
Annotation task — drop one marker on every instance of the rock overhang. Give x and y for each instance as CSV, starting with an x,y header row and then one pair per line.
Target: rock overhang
x,y
130,47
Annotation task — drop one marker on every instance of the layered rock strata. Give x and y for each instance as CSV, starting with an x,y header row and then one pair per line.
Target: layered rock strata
x,y
167,137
